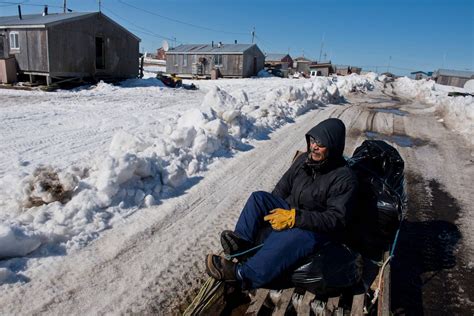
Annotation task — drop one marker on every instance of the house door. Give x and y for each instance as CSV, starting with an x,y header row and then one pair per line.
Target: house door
x,y
99,53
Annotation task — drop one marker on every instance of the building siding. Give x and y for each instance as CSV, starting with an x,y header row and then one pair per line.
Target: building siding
x,y
233,64
78,39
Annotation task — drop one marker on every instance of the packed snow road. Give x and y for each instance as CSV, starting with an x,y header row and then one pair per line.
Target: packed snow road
x,y
152,261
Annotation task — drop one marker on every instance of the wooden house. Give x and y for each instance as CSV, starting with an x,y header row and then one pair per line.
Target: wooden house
x,y
215,60
342,70
321,69
279,61
301,65
69,45
455,78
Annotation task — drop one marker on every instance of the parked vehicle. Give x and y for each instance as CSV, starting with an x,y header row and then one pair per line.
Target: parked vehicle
x,y
172,80
276,72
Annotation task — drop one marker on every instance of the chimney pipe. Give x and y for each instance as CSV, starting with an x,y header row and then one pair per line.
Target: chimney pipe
x,y
19,12
45,11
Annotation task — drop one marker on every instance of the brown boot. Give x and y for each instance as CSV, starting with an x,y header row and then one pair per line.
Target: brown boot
x,y
233,244
220,268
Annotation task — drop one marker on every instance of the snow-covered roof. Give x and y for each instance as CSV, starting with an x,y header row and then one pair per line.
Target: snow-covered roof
x,y
455,73
275,57
38,20
214,49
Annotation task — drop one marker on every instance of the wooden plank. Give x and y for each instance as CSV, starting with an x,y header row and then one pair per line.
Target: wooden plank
x,y
257,302
283,303
384,295
331,305
357,308
304,309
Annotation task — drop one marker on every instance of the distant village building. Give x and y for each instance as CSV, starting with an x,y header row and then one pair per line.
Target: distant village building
x,y
301,65
161,54
215,60
342,70
455,78
356,70
280,61
422,74
69,45
324,68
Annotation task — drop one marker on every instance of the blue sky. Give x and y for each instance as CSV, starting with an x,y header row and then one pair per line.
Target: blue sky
x,y
400,35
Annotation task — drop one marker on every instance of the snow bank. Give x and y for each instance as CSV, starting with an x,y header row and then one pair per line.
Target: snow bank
x,y
457,112
69,207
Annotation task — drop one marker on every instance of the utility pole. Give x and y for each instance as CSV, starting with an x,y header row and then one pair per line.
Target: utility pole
x,y
64,6
100,5
253,34
321,50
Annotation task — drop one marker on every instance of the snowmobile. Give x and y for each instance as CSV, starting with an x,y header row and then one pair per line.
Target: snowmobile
x,y
173,81
337,278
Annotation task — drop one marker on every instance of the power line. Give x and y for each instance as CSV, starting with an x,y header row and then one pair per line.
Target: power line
x,y
145,31
8,3
179,21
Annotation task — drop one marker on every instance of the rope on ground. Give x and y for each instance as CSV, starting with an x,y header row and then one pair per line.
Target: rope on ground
x,y
229,257
206,296
392,251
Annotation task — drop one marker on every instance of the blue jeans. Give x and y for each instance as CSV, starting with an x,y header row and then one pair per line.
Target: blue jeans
x,y
281,249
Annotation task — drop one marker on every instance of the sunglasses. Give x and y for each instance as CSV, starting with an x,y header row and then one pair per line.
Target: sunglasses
x,y
315,141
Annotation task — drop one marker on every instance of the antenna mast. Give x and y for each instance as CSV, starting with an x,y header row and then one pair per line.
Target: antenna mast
x,y
321,50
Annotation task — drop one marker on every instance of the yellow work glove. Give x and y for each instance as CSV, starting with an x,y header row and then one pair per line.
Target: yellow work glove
x,y
281,219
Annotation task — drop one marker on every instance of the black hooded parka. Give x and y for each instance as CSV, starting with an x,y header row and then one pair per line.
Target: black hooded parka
x,y
322,193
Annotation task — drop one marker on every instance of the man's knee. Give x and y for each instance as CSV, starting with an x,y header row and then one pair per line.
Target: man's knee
x,y
259,195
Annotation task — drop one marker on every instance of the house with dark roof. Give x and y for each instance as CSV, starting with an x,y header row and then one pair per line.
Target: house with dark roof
x,y
280,61
69,45
215,60
455,78
421,74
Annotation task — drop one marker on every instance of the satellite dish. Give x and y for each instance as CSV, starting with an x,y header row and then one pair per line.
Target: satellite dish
x,y
165,45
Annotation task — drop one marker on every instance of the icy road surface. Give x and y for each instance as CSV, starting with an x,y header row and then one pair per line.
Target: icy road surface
x,y
153,259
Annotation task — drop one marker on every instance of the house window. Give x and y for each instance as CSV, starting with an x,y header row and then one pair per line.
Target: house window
x,y
217,60
185,61
14,42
